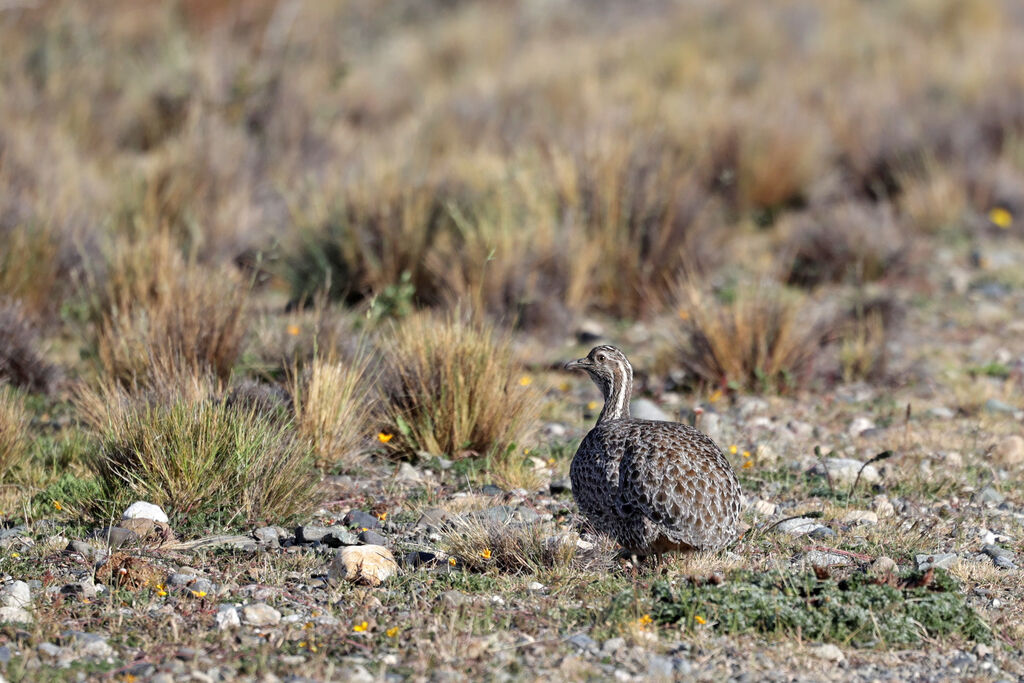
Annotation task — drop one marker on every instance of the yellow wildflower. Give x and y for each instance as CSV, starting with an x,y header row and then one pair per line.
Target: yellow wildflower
x,y
715,396
525,381
293,330
1001,217
383,516
384,437
57,505
592,405
746,454
699,619
733,448
485,553
564,386
747,464
199,594
302,643
451,561
360,628
644,620
392,632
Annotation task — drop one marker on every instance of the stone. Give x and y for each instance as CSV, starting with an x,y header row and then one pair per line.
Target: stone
x,y
180,579
260,614
536,587
764,508
988,495
50,650
818,558
418,558
16,594
356,673
860,517
711,424
860,425
994,405
311,533
821,532
1009,451
843,471
646,409
492,490
1003,562
268,536
582,641
798,526
884,565
995,551
15,615
562,485
882,506
432,519
372,538
589,331
613,645
408,474
937,561
85,589
116,536
941,413
660,668
765,454
227,617
143,510
369,565
828,652
340,536
358,519
88,644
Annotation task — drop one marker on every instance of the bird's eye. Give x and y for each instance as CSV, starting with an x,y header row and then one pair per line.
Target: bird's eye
x,y
599,358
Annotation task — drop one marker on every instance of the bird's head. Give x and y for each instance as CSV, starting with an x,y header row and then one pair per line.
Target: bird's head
x,y
608,367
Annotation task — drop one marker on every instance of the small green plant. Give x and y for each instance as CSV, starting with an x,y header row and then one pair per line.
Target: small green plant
x,y
395,301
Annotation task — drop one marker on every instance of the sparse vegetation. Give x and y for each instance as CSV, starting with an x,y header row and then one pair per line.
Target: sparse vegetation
x,y
14,431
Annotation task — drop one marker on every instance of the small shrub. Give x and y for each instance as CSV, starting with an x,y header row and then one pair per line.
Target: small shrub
x,y
333,403
154,306
200,457
451,388
14,437
761,339
21,362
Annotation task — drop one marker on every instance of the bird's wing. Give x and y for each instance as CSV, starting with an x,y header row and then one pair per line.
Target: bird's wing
x,y
676,476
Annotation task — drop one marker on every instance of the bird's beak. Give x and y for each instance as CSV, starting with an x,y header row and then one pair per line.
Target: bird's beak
x,y
579,364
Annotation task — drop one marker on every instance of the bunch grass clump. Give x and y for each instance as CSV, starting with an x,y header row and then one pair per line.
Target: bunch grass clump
x,y
334,402
21,362
202,458
156,304
755,339
451,388
14,434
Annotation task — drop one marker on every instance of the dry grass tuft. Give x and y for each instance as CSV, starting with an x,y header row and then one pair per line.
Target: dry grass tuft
x,y
479,544
204,459
451,388
334,403
14,435
21,362
756,338
155,304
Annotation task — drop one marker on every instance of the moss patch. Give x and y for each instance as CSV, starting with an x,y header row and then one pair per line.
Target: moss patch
x,y
860,610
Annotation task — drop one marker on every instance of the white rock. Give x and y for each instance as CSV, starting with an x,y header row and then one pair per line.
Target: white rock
x,y
227,617
536,586
16,594
843,471
1009,451
366,564
882,506
884,565
828,652
765,454
860,517
646,409
798,526
15,615
407,472
356,673
764,508
860,425
260,614
143,510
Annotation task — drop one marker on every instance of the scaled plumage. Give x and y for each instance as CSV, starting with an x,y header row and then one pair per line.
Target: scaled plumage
x,y
653,486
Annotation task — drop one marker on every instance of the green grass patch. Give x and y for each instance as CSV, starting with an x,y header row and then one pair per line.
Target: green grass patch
x,y
860,610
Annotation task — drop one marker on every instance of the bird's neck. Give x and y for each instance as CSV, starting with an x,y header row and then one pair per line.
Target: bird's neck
x,y
617,393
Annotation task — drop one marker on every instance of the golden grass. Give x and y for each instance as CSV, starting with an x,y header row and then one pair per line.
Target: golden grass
x,y
14,431
452,388
22,358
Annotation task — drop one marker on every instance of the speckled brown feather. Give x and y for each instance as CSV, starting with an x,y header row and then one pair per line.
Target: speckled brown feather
x,y
653,486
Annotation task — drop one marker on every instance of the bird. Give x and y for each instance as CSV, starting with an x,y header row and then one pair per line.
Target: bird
x,y
653,486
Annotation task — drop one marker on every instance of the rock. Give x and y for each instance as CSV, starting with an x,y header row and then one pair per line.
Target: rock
x,y
408,474
85,589
358,519
227,617
260,614
116,536
822,532
563,485
372,538
818,558
356,673
16,594
340,536
268,536
941,413
764,508
859,426
526,515
583,642
536,587
613,645
143,510
937,561
365,564
589,332
432,519
994,405
1009,451
1004,562
1001,557
146,530
556,430
860,517
50,650
178,579
828,652
492,490
988,495
798,526
15,615
843,471
660,668
711,424
646,409
311,533
418,558
882,506
84,549
884,565
454,599
88,644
